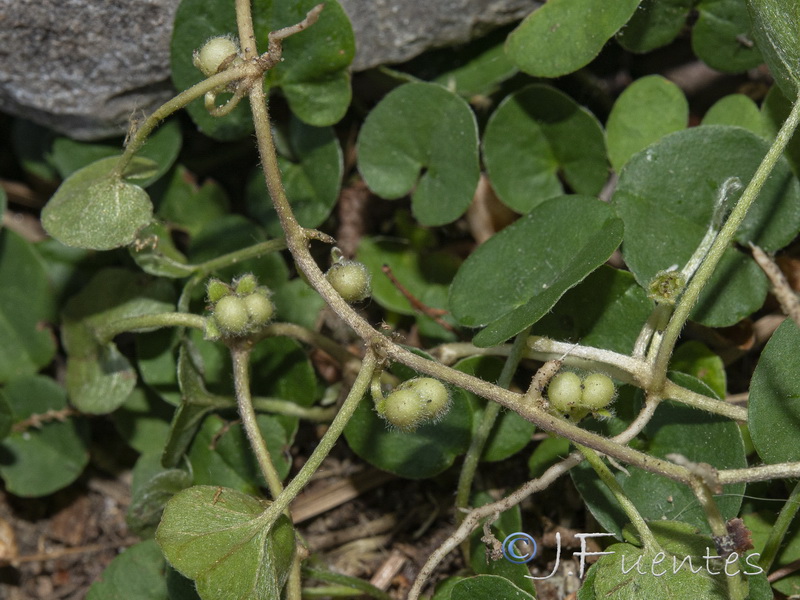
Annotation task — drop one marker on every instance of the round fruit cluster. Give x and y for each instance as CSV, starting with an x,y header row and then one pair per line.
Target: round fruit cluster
x,y
415,402
575,397
237,309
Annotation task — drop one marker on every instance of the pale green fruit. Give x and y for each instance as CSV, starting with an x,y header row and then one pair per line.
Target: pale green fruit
x,y
598,391
404,410
209,58
231,315
432,393
564,391
259,308
350,279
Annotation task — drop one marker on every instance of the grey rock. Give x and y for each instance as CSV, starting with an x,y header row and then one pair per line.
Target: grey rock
x,y
85,67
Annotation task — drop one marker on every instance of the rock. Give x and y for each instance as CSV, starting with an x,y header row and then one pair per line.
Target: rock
x,y
84,67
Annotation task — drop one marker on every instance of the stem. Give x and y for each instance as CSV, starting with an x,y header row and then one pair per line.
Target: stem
x,y
196,91
312,338
721,243
673,391
106,333
244,23
360,387
231,258
649,541
240,356
779,529
488,419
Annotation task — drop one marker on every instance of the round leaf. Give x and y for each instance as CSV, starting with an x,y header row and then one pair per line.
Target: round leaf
x,y
39,461
564,35
312,172
213,535
655,24
646,111
552,248
25,301
666,197
722,38
738,110
696,359
313,75
774,415
95,209
423,138
557,138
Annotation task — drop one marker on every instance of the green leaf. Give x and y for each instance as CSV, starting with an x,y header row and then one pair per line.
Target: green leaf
x,y
25,302
312,173
423,138
655,24
136,574
214,536
564,35
143,421
97,209
774,408
149,497
297,302
697,360
760,525
425,273
156,254
722,36
32,145
190,206
162,147
648,109
99,377
221,454
666,197
547,453
313,76
3,204
420,454
776,28
551,251
738,110
674,429
40,460
511,433
559,138
605,310
774,111
487,587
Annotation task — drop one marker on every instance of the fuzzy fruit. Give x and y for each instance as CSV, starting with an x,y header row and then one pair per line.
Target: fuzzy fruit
x,y
231,315
350,279
564,391
404,410
213,53
432,393
598,391
259,308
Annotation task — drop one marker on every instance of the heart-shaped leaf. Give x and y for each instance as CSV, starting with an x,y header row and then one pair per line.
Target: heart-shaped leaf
x,y
666,196
95,208
214,535
564,35
552,248
313,75
424,138
558,138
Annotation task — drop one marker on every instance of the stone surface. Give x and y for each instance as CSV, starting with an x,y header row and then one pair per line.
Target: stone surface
x,y
84,67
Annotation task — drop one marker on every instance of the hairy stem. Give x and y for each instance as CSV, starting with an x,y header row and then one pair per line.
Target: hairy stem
x,y
779,529
720,244
488,419
240,356
106,333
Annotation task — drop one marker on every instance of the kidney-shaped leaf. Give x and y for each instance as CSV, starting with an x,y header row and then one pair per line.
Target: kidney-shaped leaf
x,y
513,279
537,135
313,75
774,415
214,536
96,208
564,35
424,138
666,196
